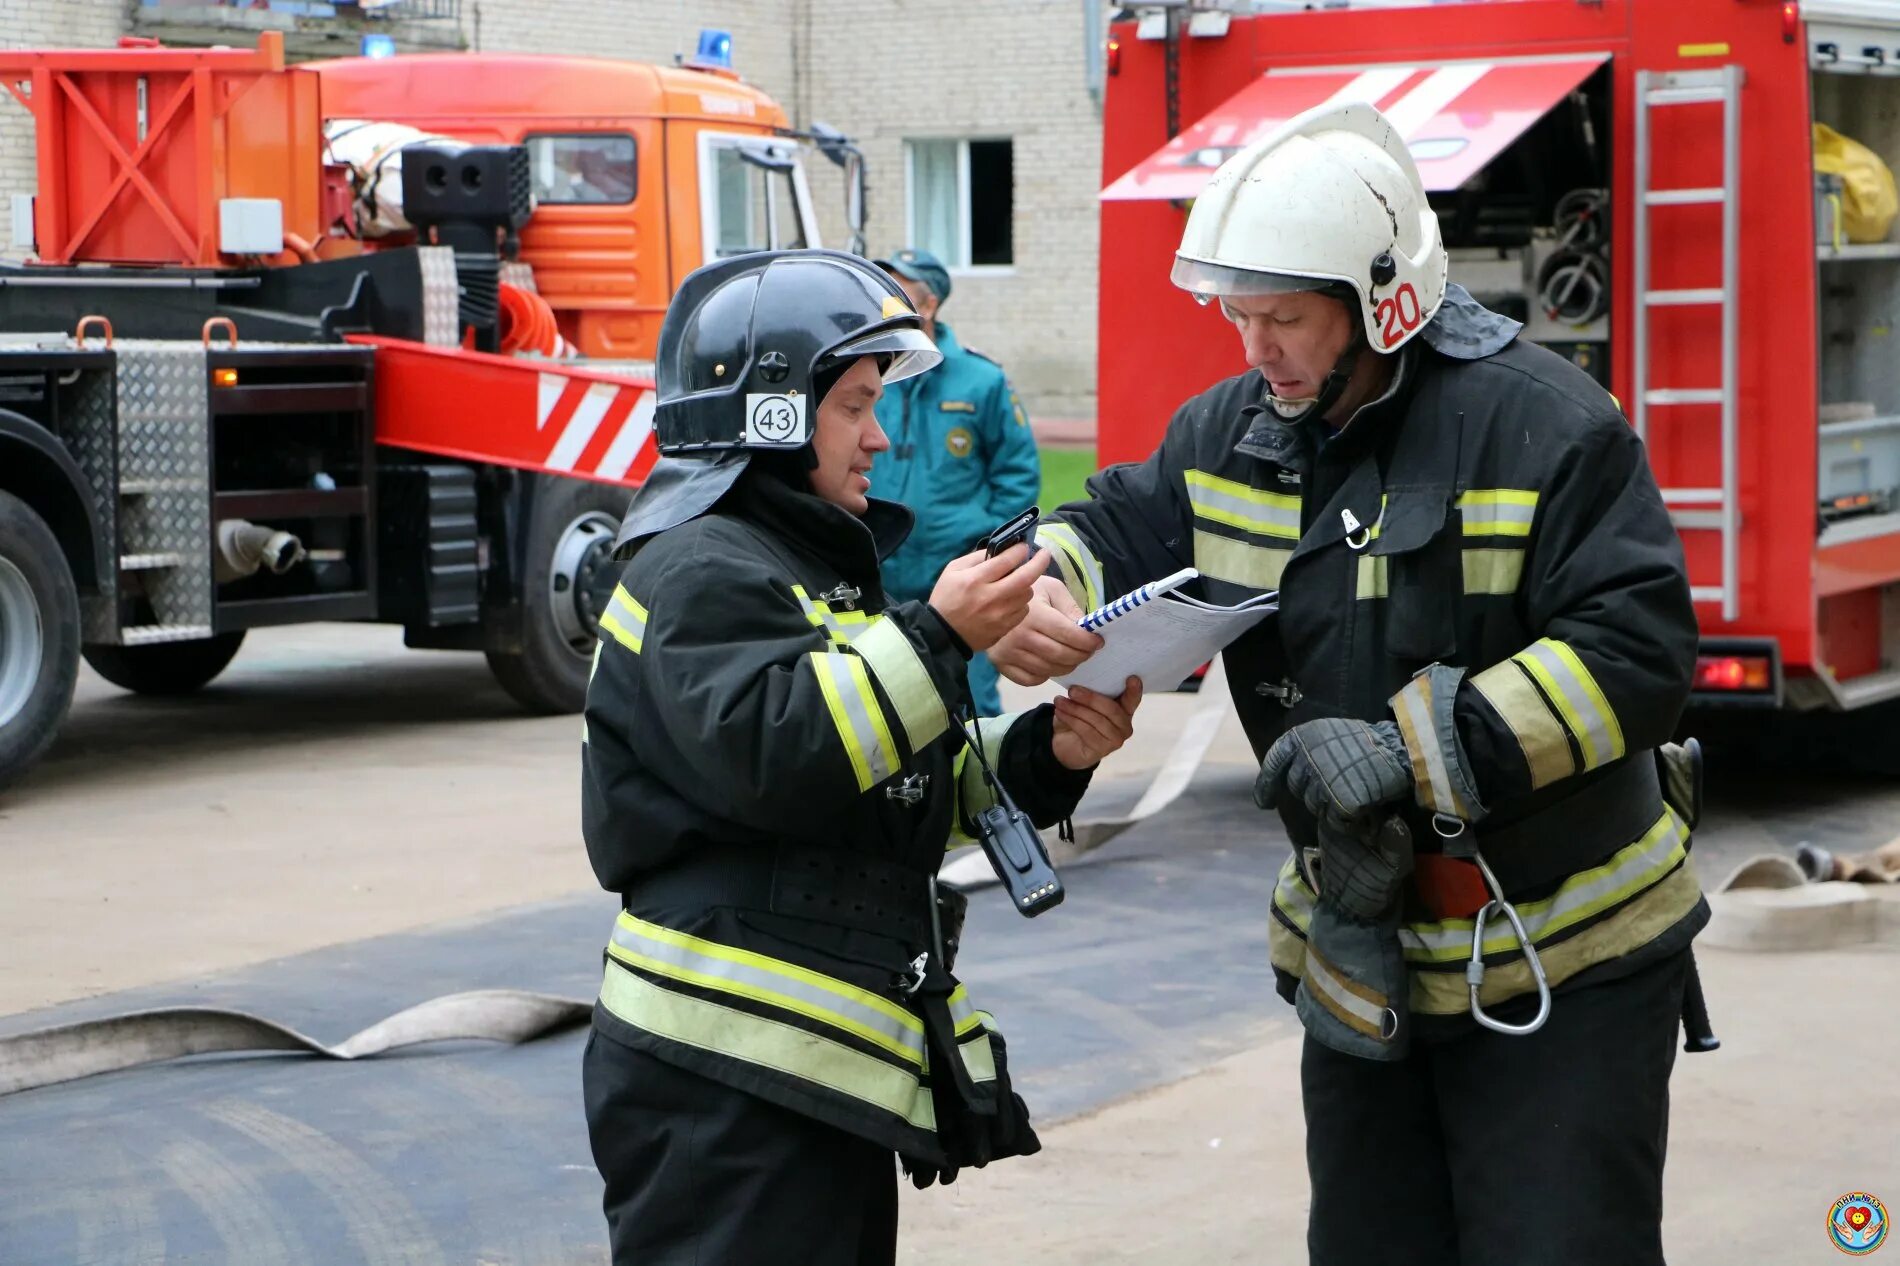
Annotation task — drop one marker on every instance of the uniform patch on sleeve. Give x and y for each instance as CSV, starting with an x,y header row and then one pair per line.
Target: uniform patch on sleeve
x,y
959,441
1016,405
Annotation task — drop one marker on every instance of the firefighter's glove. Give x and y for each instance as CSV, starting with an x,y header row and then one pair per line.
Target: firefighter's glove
x,y
1361,869
1342,770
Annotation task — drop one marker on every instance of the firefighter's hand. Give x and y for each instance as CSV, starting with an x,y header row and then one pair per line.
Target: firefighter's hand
x,y
1049,642
1089,726
983,598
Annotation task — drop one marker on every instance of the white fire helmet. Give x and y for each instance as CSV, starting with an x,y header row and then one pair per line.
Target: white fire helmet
x,y
1330,196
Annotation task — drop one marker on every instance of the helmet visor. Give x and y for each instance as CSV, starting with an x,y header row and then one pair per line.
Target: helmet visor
x,y
910,351
1222,280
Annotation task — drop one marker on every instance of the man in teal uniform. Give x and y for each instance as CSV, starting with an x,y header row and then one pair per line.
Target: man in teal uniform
x,y
962,455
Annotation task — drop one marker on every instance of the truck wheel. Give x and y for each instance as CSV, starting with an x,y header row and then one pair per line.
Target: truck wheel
x,y
568,581
165,668
39,637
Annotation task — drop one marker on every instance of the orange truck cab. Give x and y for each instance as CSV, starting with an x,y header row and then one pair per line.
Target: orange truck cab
x,y
641,172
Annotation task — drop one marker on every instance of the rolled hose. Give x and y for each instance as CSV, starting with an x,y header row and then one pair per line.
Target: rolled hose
x,y
527,324
68,1052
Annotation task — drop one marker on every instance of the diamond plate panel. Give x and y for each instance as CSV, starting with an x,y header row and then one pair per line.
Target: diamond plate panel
x,y
92,438
441,297
519,274
165,447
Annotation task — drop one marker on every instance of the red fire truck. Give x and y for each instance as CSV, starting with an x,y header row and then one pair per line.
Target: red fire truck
x,y
1634,180
356,341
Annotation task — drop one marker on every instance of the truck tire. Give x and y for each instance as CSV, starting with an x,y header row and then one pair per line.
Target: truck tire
x,y
39,637
165,668
568,578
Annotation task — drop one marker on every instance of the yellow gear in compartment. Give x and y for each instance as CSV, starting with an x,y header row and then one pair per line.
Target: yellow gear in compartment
x,y
1868,198
959,441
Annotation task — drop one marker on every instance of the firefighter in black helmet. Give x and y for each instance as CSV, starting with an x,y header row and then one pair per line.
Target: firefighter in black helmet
x,y
774,765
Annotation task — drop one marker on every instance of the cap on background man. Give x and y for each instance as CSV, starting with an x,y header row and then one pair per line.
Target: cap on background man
x,y
962,455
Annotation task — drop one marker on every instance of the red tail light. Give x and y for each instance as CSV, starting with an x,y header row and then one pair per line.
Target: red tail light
x,y
1790,20
1114,59
1733,673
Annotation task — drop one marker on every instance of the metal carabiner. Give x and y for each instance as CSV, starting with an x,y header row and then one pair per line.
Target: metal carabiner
x,y
1474,970
1358,535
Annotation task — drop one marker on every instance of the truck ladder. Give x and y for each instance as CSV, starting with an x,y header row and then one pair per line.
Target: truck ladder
x,y
1715,509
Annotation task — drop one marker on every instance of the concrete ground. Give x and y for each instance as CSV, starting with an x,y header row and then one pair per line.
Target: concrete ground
x,y
339,828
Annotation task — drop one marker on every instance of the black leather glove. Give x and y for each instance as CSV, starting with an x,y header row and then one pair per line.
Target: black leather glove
x,y
923,1173
1338,768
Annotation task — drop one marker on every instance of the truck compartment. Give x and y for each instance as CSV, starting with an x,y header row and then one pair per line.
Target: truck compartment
x,y
1859,304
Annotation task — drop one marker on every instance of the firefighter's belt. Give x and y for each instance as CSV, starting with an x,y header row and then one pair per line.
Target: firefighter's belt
x,y
1554,842
825,885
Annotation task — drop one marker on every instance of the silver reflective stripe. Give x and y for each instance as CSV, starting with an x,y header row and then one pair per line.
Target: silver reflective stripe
x,y
1237,505
1584,894
1498,512
1340,997
962,1015
854,710
1237,562
1578,699
842,626
1427,746
1079,568
625,620
754,976
743,1036
907,683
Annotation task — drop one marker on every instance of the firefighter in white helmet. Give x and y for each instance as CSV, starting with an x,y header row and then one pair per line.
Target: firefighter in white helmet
x,y
1485,635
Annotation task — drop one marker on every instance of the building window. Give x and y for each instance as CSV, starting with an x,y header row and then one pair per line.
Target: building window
x,y
961,195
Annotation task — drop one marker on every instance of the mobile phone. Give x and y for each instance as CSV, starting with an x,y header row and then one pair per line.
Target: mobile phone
x,y
1015,532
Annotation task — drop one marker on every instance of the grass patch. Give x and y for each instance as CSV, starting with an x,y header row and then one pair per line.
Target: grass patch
x,y
1063,470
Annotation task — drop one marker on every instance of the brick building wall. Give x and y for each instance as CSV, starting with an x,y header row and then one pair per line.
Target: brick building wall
x,y
37,24
887,71
884,72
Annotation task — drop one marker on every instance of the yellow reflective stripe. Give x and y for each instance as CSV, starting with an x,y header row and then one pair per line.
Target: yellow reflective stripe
x,y
979,1057
1237,505
1498,511
963,1013
1540,736
1496,571
1080,572
1646,917
842,627
769,1043
625,619
766,979
1237,562
856,716
907,683
1292,897
1578,699
1654,898
1583,895
1375,577
1412,707
1351,1003
973,790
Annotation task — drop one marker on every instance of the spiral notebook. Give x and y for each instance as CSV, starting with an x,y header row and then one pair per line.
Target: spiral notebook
x,y
1161,635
